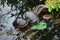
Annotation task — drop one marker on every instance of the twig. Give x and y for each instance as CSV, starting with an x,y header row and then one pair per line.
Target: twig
x,y
38,9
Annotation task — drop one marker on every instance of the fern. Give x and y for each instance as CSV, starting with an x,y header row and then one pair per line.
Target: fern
x,y
52,4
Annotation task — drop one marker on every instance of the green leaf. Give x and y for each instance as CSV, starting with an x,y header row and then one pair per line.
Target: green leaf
x,y
50,9
56,9
39,26
52,6
59,5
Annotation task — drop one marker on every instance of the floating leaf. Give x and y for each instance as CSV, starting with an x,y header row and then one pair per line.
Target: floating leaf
x,y
39,26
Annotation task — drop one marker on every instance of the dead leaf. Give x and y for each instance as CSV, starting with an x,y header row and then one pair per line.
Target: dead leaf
x,y
57,21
